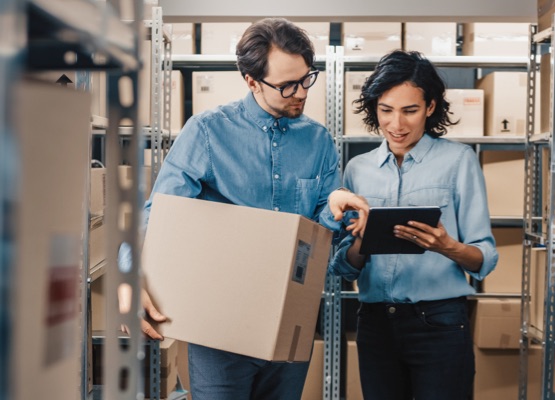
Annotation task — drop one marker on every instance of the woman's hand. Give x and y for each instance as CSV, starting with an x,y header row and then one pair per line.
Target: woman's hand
x,y
342,200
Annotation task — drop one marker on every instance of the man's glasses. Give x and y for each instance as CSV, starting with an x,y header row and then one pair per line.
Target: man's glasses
x,y
289,89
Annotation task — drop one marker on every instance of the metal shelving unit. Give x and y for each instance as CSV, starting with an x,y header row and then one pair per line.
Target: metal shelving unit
x,y
42,35
534,234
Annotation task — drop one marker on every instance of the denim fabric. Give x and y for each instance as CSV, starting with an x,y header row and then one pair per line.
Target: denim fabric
x,y
240,154
435,172
419,351
220,375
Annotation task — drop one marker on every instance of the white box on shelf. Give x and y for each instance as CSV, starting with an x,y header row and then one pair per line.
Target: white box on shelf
x,y
431,38
467,106
371,38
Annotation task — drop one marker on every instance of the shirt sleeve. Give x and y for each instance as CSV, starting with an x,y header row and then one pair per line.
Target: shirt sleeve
x,y
330,179
473,217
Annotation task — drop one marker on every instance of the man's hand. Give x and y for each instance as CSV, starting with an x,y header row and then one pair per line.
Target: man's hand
x,y
150,311
342,200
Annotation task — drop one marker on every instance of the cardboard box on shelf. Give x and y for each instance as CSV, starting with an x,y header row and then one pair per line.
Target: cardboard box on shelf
x,y
97,200
353,387
221,37
371,38
258,262
315,106
546,187
98,304
431,38
545,93
183,364
546,8
496,39
183,38
177,102
467,106
504,175
97,241
314,384
497,373
214,88
319,34
505,103
49,225
497,324
168,368
507,276
538,260
354,126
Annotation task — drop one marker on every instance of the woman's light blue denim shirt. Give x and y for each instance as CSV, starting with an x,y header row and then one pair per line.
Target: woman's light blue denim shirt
x,y
435,172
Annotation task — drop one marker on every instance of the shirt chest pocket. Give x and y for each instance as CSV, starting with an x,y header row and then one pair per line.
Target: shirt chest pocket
x,y
428,197
306,196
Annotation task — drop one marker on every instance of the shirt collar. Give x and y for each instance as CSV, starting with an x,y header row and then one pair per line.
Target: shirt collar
x,y
417,153
261,117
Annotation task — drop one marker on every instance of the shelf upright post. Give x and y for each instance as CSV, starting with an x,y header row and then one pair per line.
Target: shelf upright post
x,y
530,210
123,377
12,38
156,87
549,309
167,85
331,313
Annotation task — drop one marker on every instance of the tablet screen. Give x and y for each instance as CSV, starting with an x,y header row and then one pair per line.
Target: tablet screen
x,y
378,234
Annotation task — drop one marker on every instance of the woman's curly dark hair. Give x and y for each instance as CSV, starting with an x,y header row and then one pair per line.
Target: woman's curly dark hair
x,y
399,67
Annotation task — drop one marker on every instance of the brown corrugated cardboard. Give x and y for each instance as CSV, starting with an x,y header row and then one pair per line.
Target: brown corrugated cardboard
x,y
49,223
545,92
221,37
97,241
353,387
496,39
505,103
538,260
315,106
168,368
213,88
97,200
504,175
497,374
354,126
183,41
546,8
371,38
236,278
314,384
183,365
497,324
319,34
177,102
507,275
431,38
467,106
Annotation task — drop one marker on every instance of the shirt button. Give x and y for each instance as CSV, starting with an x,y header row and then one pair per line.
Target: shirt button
x,y
274,144
283,129
275,123
264,128
391,310
276,176
276,208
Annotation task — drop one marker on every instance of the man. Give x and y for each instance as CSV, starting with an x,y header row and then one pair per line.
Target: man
x,y
260,151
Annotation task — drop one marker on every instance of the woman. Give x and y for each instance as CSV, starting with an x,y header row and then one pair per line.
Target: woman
x,y
413,333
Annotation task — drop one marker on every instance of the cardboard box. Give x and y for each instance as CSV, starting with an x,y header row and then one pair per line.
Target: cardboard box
x,y
168,368
467,106
504,175
314,384
497,324
183,38
545,93
315,106
221,37
538,271
183,365
98,306
507,276
371,38
354,126
257,263
97,200
431,38
353,387
497,374
496,39
319,34
505,103
46,339
215,88
546,187
177,102
546,8
97,241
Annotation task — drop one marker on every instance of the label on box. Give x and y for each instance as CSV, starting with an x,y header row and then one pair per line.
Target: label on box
x,y
62,303
301,262
505,125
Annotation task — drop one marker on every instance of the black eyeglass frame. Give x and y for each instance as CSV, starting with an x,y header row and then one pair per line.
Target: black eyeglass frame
x,y
280,89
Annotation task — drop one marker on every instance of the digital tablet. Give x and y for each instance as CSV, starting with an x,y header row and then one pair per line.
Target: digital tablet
x,y
378,235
